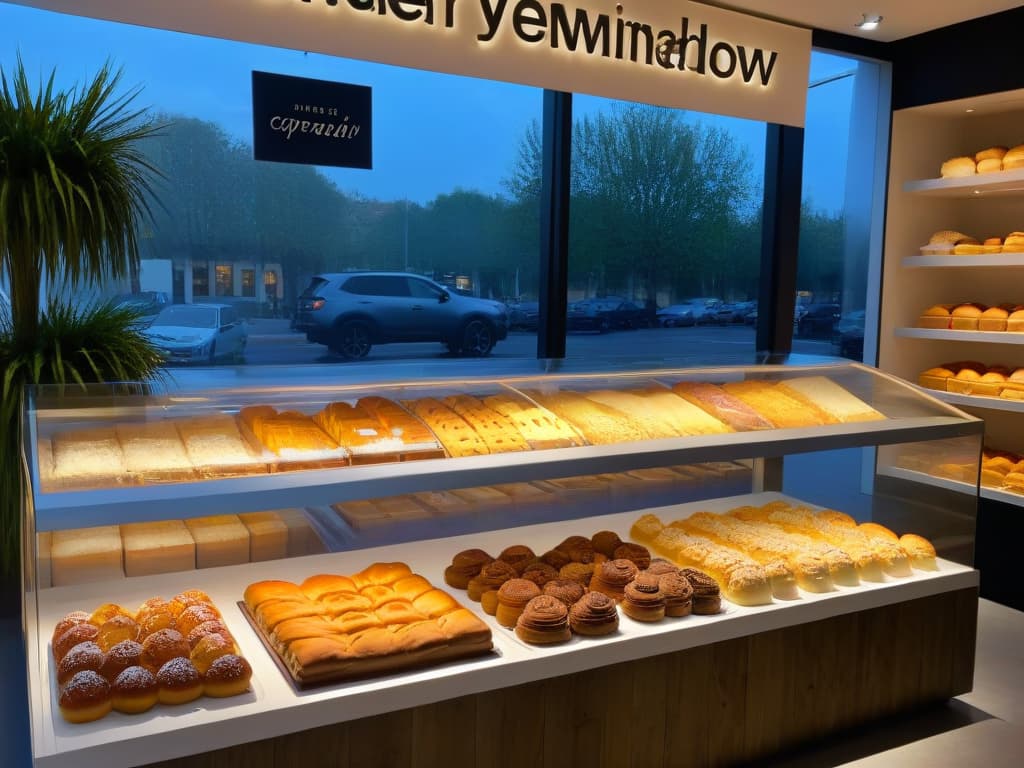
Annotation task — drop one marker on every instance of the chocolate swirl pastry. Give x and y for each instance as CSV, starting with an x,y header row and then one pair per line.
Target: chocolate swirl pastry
x,y
566,590
465,565
512,599
545,620
518,556
578,548
660,566
612,576
707,597
491,576
556,558
678,594
606,542
540,573
581,572
638,553
642,599
594,614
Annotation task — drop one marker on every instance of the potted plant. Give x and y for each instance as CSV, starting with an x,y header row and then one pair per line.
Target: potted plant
x,y
74,186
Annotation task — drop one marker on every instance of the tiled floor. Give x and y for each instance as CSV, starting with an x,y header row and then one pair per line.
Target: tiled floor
x,y
983,728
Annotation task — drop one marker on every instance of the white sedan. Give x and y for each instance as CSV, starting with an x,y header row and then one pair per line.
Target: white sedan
x,y
198,333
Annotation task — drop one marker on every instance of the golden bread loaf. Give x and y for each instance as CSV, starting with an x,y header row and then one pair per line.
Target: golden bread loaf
x,y
824,394
776,405
496,429
456,435
598,423
1014,158
721,405
539,427
993,319
958,166
992,153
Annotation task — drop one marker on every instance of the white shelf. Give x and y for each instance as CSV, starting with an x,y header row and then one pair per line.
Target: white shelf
x,y
981,260
978,401
272,708
988,337
995,494
78,509
976,186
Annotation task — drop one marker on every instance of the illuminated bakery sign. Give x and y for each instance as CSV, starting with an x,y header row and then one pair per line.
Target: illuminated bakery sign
x,y
675,54
314,122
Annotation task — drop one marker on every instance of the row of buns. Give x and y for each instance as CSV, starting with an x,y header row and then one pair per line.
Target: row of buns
x,y
973,316
988,160
1000,469
950,242
969,377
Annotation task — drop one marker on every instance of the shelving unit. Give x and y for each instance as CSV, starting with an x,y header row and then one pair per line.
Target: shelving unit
x,y
968,262
979,401
995,494
968,187
987,337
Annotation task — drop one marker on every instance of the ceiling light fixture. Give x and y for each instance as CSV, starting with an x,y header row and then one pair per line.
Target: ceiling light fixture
x,y
969,110
868,22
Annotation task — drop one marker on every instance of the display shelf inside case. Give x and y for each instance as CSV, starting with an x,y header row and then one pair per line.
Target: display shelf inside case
x,y
970,187
908,417
939,334
979,401
994,494
273,708
1002,260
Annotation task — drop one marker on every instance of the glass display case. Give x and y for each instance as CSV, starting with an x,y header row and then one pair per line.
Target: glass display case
x,y
138,494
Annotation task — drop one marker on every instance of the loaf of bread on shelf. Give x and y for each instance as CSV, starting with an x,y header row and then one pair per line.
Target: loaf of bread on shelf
x,y
496,429
88,458
538,426
990,160
598,423
216,448
968,249
651,422
294,437
361,434
1014,158
964,317
957,167
936,317
936,378
686,417
969,381
992,245
993,319
721,405
269,536
456,434
824,394
776,405
220,540
159,547
81,555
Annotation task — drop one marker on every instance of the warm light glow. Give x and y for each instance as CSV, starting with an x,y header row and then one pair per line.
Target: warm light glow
x,y
869,22
969,110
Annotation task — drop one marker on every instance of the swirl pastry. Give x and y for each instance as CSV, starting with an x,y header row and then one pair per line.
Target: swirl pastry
x,y
605,542
637,553
491,576
642,599
465,565
707,597
544,620
594,614
678,594
540,573
581,572
566,590
512,599
612,576
660,566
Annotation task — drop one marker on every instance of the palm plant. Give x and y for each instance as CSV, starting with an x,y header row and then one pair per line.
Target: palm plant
x,y
73,188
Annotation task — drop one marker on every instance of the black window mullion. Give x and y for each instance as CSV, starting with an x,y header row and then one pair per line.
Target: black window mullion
x,y
554,225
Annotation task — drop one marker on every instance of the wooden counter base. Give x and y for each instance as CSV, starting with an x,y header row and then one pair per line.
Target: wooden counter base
x,y
726,702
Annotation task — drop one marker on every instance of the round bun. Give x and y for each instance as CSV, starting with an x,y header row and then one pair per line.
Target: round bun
x,y
938,310
192,597
606,542
227,676
134,690
155,621
72,619
85,697
195,615
948,237
208,650
79,633
990,165
106,612
127,653
116,629
179,682
1014,158
992,153
968,374
968,310
84,656
213,627
958,166
161,647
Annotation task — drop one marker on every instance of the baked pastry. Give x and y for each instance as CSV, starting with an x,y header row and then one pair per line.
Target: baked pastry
x,y
556,558
678,594
116,629
496,429
84,656
958,167
229,675
127,653
721,405
638,554
178,682
579,549
965,317
208,650
776,406
642,599
936,317
79,633
920,551
67,622
491,576
581,572
106,612
660,566
518,556
539,427
612,576
539,573
1014,158
153,451
215,446
598,423
993,319
594,614
990,165
566,590
605,542
706,594
134,690
456,434
513,596
544,620
88,458
465,565
161,647
85,697
489,602
195,615
401,424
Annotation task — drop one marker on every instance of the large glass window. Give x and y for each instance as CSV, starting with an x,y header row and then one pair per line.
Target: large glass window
x,y
248,283
665,233
225,280
200,278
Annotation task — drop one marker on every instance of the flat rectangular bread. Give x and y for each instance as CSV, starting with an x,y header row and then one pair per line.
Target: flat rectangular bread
x,y
777,406
88,458
830,397
417,440
216,448
497,430
153,452
539,427
456,434
719,404
598,423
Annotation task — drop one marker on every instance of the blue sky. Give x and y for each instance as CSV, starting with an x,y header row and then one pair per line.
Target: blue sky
x,y
432,133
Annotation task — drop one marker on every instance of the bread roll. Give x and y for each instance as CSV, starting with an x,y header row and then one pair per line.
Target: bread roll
x,y
935,317
957,167
990,165
935,378
968,249
949,237
1014,158
597,422
496,429
965,317
993,319
992,153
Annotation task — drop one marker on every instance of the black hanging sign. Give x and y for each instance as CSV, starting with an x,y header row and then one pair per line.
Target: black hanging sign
x,y
313,122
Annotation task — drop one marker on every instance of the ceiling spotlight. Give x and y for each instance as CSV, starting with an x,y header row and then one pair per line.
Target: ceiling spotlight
x,y
868,22
969,110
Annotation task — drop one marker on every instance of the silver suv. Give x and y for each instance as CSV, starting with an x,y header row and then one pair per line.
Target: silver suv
x,y
349,312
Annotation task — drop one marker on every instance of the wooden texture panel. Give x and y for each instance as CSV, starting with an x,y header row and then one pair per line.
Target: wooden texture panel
x,y
737,700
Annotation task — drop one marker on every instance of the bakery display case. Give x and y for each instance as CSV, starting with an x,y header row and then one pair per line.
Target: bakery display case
x,y
324,524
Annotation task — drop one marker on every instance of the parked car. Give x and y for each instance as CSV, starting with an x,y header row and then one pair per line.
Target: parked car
x,y
818,321
198,333
848,338
349,312
524,315
733,312
149,304
675,316
704,310
605,314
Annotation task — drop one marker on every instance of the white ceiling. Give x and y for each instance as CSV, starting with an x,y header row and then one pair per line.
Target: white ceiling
x,y
901,18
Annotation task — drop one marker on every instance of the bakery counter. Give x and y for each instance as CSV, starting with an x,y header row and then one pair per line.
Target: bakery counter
x,y
273,707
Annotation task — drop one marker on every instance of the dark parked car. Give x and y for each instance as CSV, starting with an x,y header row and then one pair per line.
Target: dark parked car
x,y
848,338
733,312
603,315
349,312
818,321
675,316
524,315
